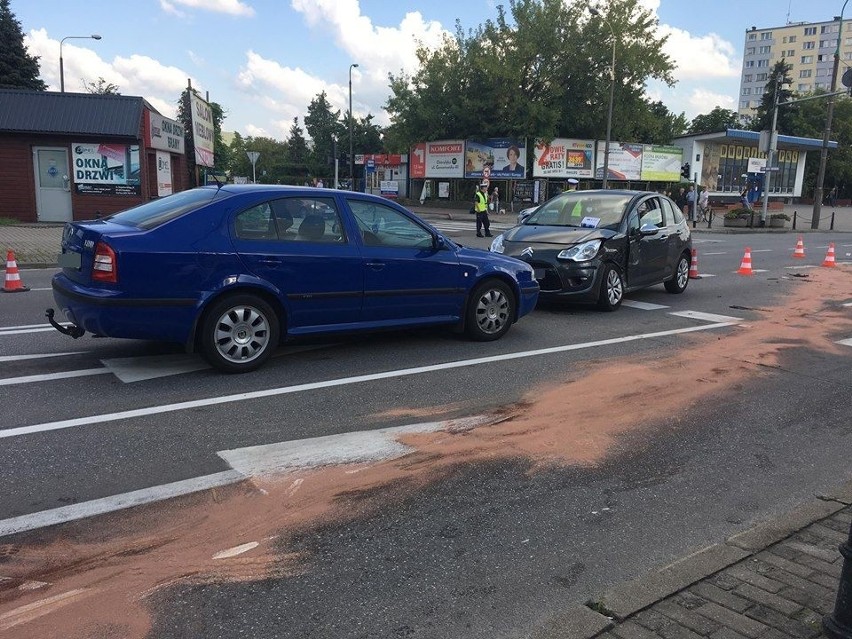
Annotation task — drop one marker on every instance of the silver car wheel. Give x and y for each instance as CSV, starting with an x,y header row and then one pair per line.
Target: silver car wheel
x,y
242,334
682,273
492,311
614,287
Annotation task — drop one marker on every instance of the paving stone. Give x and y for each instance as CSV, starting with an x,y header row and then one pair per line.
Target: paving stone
x,y
762,535
676,631
823,554
652,619
792,627
630,630
723,598
688,600
725,580
830,535
826,581
687,618
733,620
785,564
727,633
776,602
744,574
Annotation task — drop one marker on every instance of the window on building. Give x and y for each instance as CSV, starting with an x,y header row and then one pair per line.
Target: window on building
x,y
766,35
847,41
743,104
805,73
810,31
824,58
803,88
824,44
763,63
764,49
761,77
822,85
847,55
749,50
746,91
807,59
789,53
808,45
751,36
758,90
748,64
822,72
792,39
747,78
828,28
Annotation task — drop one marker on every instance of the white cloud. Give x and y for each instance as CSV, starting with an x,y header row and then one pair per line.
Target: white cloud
x,y
704,101
230,7
707,56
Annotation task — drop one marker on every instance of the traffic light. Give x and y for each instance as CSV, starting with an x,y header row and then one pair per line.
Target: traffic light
x,y
684,170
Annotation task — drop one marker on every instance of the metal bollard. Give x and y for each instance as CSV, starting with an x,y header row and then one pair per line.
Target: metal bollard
x,y
795,214
838,625
832,222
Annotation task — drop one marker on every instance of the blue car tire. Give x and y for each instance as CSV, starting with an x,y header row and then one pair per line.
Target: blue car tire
x,y
239,333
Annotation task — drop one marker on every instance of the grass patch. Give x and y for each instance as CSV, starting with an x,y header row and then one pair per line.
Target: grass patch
x,y
8,221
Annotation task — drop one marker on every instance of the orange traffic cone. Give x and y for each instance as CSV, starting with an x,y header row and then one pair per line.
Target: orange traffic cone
x,y
799,252
693,266
829,257
13,282
745,265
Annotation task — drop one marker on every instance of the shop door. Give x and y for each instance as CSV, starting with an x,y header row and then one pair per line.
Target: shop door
x,y
53,184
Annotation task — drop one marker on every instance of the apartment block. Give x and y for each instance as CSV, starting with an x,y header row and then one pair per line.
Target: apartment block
x,y
807,46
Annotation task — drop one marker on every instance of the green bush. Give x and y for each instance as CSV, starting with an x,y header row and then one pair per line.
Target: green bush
x,y
738,214
779,216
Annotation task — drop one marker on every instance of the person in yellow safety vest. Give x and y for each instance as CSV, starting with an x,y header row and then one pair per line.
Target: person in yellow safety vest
x,y
480,205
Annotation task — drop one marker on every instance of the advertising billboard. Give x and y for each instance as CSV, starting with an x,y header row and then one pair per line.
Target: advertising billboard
x,y
440,159
106,169
202,130
164,174
502,158
661,163
625,161
563,158
164,134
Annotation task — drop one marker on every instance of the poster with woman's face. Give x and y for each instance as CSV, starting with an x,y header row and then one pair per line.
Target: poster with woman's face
x,y
506,158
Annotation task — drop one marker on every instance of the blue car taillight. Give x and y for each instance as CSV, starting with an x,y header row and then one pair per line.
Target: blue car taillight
x,y
105,265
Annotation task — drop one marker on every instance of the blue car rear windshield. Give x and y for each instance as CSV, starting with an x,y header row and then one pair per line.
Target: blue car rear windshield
x,y
152,214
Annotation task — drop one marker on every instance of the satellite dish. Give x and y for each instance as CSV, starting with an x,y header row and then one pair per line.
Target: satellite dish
x,y
847,78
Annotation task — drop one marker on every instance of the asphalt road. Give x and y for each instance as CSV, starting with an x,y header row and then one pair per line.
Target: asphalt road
x,y
488,548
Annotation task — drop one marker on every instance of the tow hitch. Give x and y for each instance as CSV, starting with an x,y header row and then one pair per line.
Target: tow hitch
x,y
73,331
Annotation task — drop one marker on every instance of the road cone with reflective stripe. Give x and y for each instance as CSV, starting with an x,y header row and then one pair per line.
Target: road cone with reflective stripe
x,y
13,282
799,252
745,265
829,257
693,266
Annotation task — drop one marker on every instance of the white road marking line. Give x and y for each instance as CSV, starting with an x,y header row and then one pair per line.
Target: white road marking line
x,y
3,333
285,390
135,369
802,266
356,447
294,487
761,250
113,503
846,342
708,317
642,306
18,358
703,275
32,611
754,270
848,304
236,550
719,253
41,289
14,328
50,377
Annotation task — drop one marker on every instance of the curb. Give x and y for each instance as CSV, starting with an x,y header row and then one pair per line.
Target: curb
x,y
624,600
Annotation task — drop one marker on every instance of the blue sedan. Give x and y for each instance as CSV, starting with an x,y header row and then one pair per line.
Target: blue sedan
x,y
231,271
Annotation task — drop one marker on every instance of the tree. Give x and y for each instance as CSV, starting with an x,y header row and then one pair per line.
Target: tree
x,y
323,125
18,69
544,72
718,119
779,79
102,87
297,153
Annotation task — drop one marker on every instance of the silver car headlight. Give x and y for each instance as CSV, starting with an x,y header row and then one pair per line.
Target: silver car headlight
x,y
497,244
581,252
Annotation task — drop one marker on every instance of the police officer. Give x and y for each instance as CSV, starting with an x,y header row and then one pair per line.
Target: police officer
x,y
480,205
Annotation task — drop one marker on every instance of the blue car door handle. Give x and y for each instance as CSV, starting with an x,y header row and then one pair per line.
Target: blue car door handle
x,y
376,266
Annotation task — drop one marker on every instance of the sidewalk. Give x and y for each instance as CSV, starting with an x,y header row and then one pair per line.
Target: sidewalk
x,y
775,581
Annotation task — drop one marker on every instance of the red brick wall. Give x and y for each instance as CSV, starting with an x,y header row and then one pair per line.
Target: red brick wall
x,y
17,179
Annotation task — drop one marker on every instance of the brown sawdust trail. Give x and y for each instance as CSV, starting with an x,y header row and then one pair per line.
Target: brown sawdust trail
x,y
102,572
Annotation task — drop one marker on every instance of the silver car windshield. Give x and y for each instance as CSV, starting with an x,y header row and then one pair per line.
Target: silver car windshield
x,y
579,208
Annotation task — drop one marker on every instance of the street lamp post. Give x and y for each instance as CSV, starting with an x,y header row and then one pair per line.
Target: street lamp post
x,y
597,13
351,157
823,154
94,36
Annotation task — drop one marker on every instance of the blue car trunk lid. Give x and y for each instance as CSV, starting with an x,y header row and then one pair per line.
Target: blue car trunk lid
x,y
79,240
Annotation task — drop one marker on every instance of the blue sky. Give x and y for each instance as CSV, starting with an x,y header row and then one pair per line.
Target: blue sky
x,y
264,60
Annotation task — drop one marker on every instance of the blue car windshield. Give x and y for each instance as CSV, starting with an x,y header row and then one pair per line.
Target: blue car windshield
x,y
156,212
583,209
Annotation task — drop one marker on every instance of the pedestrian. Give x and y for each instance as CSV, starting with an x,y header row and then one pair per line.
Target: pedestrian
x,y
494,201
744,199
480,205
704,201
572,184
690,202
832,197
680,198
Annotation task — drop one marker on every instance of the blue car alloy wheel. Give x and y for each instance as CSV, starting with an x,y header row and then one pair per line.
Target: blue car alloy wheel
x,y
239,333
